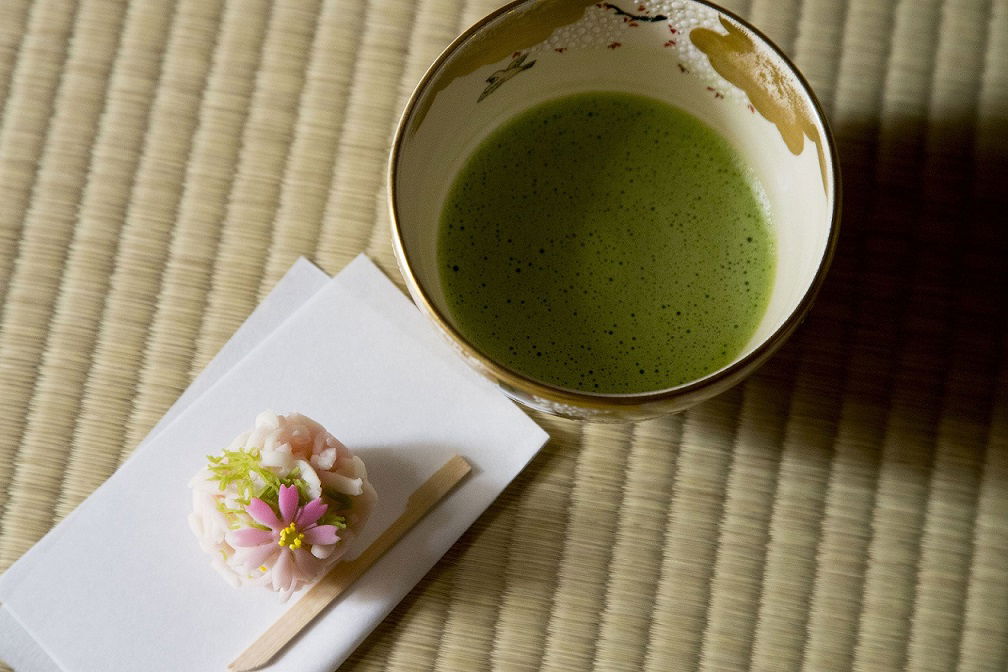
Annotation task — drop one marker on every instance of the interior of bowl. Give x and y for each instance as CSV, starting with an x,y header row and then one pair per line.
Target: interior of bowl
x,y
533,52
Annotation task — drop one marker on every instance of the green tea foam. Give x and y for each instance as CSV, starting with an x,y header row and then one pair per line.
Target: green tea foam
x,y
608,243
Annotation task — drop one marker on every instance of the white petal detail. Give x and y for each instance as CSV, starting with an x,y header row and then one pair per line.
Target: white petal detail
x,y
341,483
311,477
324,459
278,456
322,552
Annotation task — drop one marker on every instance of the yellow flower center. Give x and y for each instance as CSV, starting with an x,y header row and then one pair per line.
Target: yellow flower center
x,y
291,537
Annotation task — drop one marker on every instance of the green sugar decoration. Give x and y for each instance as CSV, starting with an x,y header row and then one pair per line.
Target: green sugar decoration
x,y
236,467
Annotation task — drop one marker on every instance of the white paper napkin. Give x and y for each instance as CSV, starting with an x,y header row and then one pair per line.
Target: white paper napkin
x,y
122,585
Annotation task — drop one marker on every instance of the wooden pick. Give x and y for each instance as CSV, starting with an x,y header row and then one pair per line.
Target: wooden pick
x,y
343,574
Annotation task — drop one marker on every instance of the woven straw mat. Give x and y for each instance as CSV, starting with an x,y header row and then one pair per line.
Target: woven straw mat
x,y
162,164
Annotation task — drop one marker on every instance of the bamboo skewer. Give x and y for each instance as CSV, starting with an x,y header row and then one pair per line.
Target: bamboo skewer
x,y
344,574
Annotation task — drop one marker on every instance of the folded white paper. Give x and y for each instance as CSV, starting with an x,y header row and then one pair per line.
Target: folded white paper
x,y
122,584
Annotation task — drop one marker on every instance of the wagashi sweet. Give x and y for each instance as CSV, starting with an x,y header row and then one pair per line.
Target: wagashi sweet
x,y
279,507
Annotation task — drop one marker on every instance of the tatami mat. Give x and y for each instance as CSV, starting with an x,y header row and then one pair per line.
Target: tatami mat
x,y
163,163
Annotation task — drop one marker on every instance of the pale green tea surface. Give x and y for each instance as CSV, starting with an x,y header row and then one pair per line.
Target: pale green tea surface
x,y
606,242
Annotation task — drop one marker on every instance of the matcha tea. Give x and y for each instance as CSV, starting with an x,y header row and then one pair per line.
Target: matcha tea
x,y
606,242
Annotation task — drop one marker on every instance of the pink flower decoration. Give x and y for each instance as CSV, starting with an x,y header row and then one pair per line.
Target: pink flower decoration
x,y
293,549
